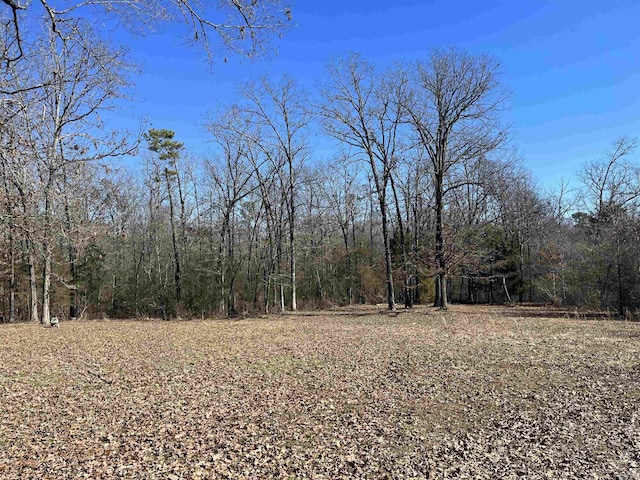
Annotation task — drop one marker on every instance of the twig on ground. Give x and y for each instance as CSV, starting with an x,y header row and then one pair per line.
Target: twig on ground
x,y
106,380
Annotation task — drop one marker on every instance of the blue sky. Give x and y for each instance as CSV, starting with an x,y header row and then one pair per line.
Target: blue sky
x,y
572,67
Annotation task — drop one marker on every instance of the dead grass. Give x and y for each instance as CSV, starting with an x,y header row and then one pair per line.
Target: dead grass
x,y
475,392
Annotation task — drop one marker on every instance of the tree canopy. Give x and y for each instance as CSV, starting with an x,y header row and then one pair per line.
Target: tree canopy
x,y
241,26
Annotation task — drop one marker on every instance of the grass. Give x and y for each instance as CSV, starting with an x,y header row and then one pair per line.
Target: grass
x,y
475,392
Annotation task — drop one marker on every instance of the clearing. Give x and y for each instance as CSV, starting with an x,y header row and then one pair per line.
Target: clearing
x,y
475,392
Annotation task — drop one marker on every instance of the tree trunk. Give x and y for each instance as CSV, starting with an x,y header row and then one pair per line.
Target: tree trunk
x,y
222,291
47,252
281,290
12,251
292,252
441,285
12,277
222,258
279,300
408,303
621,299
319,289
506,290
438,291
138,263
176,253
183,219
391,301
73,293
345,237
231,294
415,249
292,245
72,253
33,285
46,287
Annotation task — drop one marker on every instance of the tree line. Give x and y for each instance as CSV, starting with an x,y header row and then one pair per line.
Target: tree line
x,y
423,199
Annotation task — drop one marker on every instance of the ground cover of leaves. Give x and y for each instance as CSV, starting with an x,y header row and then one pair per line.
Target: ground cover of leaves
x,y
475,392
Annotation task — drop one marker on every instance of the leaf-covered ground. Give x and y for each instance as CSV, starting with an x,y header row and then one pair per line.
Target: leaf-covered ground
x,y
479,393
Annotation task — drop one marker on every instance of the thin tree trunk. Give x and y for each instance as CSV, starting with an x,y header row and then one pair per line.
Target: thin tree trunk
x,y
12,278
33,285
176,253
230,262
292,244
282,305
222,260
222,291
12,251
183,219
391,301
292,279
267,289
279,273
405,261
621,302
47,252
71,251
73,293
347,250
319,289
138,264
46,288
355,285
371,216
506,291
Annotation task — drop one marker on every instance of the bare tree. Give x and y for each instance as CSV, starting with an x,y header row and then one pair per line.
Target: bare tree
x,y
401,240
64,126
454,110
279,111
9,213
243,140
612,201
20,210
612,180
241,26
340,191
363,110
233,177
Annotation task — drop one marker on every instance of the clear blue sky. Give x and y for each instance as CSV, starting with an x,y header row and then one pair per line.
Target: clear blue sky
x,y
572,67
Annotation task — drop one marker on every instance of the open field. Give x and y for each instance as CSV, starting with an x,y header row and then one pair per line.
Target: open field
x,y
476,392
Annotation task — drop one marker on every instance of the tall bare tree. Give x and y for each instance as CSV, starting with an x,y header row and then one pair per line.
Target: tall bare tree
x,y
454,109
363,110
63,123
233,177
279,111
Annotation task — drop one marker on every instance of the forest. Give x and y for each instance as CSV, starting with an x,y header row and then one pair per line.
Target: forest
x,y
423,197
